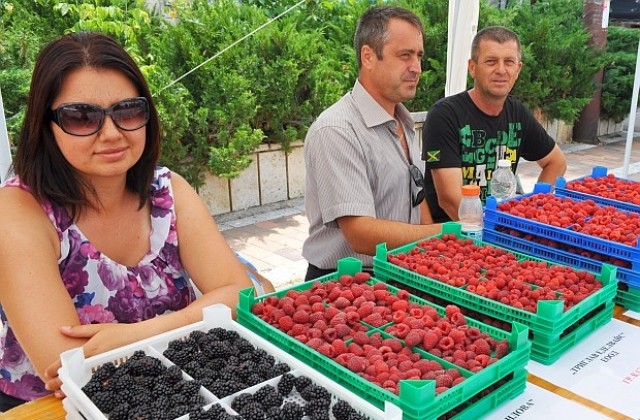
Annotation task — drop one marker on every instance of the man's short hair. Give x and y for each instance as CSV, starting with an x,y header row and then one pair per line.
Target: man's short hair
x,y
498,34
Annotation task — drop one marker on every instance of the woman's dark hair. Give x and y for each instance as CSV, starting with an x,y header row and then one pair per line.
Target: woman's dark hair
x,y
39,162
373,25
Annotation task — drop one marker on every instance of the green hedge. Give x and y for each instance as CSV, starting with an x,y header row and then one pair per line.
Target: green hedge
x,y
270,86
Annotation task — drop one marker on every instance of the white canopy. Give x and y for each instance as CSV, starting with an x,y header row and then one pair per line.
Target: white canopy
x,y
462,27
5,152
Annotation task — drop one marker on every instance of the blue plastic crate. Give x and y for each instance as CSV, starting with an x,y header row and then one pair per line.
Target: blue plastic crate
x,y
597,172
630,277
494,219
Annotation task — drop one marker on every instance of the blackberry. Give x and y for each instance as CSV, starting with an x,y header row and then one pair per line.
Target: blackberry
x,y
188,388
222,389
313,391
279,369
356,416
172,375
216,410
254,379
342,410
317,405
274,413
319,415
269,397
92,388
244,346
104,400
302,382
291,411
218,349
252,411
287,381
196,336
120,412
242,400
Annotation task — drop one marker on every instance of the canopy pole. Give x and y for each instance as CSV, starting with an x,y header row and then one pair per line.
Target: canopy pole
x,y
632,117
5,150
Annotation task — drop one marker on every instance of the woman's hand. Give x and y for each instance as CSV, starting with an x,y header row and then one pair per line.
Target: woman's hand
x,y
101,338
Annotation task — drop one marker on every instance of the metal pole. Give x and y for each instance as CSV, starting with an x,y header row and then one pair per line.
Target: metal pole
x,y
632,117
5,150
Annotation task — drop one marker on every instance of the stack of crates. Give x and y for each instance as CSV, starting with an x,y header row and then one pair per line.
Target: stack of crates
x,y
571,248
478,394
552,330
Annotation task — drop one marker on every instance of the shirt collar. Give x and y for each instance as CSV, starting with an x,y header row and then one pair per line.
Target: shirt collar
x,y
372,113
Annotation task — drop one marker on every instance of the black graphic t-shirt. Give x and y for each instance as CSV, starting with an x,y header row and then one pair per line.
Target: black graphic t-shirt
x,y
456,134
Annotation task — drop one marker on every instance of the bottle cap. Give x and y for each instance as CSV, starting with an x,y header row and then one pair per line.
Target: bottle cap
x,y
504,163
470,190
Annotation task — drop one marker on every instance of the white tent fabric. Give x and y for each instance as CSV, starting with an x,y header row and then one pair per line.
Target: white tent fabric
x,y
5,152
632,117
462,27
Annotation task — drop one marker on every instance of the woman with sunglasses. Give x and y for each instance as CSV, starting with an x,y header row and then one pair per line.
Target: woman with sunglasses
x,y
96,240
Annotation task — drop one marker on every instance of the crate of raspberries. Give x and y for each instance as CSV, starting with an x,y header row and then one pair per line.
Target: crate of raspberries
x,y
387,345
559,304
582,232
603,188
213,369
628,293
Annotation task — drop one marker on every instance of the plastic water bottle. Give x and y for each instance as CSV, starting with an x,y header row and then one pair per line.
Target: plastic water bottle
x,y
503,182
470,212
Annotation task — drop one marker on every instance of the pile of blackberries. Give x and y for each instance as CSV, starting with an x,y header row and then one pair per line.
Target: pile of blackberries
x,y
143,388
223,361
272,403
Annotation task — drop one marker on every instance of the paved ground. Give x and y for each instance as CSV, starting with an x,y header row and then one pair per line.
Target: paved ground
x,y
273,240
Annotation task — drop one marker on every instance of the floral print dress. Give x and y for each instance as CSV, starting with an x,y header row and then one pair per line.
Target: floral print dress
x,y
103,290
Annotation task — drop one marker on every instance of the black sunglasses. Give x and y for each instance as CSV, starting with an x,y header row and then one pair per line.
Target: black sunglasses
x,y
82,119
418,179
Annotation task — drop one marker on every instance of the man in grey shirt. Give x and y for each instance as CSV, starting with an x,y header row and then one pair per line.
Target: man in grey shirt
x,y
363,162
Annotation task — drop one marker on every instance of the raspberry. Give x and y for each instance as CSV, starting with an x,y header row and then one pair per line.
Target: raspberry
x,y
339,347
483,359
402,330
285,323
482,347
313,299
346,280
361,338
339,318
315,343
440,390
449,310
315,317
333,294
300,317
458,319
403,294
394,345
380,294
357,364
330,312
502,349
405,365
329,334
413,338
298,329
326,349
445,343
369,296
459,355
355,349
347,294
341,302
429,340
342,330
474,333
320,324
380,286
257,309
317,307
444,380
353,317
457,335
457,380
375,340
374,320
361,277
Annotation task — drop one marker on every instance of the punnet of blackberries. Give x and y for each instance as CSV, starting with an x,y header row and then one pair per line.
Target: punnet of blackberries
x,y
143,388
293,398
223,361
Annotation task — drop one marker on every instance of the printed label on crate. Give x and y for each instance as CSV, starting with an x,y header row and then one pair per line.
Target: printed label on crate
x,y
632,314
538,403
603,368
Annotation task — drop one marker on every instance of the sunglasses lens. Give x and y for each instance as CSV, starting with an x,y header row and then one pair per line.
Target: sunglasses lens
x,y
80,119
416,175
131,114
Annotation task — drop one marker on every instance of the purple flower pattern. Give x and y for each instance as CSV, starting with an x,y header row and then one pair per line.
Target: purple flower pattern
x,y
102,290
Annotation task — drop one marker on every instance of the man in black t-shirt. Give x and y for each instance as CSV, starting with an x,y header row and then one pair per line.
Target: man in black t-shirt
x,y
466,134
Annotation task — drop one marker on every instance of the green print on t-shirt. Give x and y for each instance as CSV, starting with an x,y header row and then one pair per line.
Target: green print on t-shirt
x,y
481,149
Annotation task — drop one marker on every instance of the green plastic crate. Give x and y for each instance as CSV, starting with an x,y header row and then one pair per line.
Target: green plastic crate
x,y
416,398
629,298
550,321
